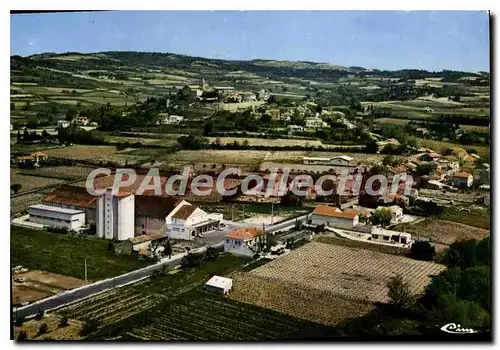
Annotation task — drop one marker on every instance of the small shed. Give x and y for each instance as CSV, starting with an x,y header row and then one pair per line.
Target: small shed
x,y
218,284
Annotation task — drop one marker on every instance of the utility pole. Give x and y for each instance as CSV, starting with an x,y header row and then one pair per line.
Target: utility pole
x,y
85,269
272,212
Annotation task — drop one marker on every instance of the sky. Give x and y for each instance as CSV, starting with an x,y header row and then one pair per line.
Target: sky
x,y
431,40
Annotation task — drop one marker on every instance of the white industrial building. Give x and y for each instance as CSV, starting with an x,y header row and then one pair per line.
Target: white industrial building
x,y
55,216
219,284
115,215
343,161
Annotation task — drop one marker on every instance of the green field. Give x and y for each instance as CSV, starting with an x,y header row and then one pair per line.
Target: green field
x,y
476,219
174,306
65,254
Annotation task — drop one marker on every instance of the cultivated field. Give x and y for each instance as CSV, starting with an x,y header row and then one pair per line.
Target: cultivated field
x,y
329,273
94,154
31,182
59,172
21,203
54,330
53,279
442,231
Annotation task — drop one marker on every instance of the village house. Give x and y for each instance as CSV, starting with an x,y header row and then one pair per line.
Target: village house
x,y
81,121
481,174
334,217
243,241
429,157
462,180
63,124
422,131
275,114
315,122
293,128
396,213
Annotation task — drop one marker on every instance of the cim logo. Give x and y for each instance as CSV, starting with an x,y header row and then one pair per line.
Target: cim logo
x,y
456,329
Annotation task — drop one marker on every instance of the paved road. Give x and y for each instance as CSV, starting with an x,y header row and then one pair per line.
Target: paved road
x,y
101,286
215,239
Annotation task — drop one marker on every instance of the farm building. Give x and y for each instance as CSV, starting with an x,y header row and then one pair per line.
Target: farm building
x,y
39,156
25,161
138,244
316,161
315,122
164,118
242,241
218,284
73,197
58,217
334,217
342,161
462,179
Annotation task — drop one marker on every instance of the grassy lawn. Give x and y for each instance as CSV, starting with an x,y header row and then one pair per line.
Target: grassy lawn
x,y
65,254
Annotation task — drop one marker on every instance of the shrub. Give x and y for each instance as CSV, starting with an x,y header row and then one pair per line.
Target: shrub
x,y
43,328
422,250
211,253
63,321
22,336
192,260
39,315
19,321
90,325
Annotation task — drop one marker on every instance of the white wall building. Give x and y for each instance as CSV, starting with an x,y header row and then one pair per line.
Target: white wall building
x,y
342,161
315,122
187,221
396,213
219,284
243,241
115,215
55,216
334,217
63,123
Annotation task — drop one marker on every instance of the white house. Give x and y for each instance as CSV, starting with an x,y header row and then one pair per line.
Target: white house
x,y
242,241
219,284
334,217
383,235
56,216
462,179
342,161
294,127
315,122
164,118
62,123
396,213
187,221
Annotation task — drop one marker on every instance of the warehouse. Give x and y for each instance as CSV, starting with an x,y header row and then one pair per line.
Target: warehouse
x,y
55,216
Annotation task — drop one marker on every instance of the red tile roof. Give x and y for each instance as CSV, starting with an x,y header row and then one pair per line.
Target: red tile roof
x,y
184,212
71,195
245,233
462,175
325,210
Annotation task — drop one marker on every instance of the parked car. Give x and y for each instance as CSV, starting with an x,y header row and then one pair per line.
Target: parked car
x,y
19,280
